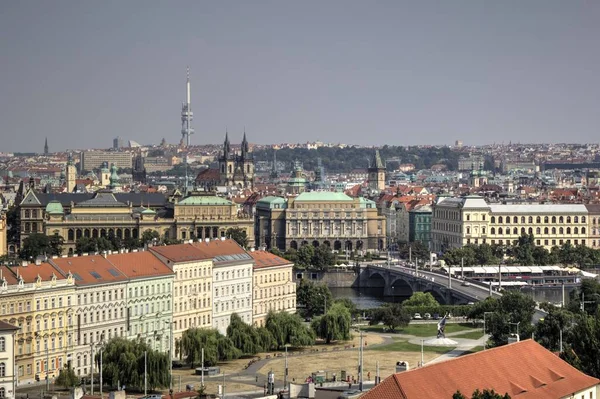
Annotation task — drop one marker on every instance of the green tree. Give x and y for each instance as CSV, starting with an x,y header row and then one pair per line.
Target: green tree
x,y
421,299
216,346
67,378
548,330
392,315
351,306
34,245
150,235
123,362
288,328
243,336
335,325
238,235
292,255
486,394
313,298
583,344
323,258
85,245
588,294
523,252
306,254
416,250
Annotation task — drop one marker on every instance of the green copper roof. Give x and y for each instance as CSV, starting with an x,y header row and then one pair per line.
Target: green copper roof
x,y
204,200
270,202
148,211
366,203
323,196
54,208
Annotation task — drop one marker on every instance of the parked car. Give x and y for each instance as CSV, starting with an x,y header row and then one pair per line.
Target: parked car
x,y
465,283
427,316
436,316
417,316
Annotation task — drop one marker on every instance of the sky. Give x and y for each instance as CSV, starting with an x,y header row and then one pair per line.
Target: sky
x,y
359,72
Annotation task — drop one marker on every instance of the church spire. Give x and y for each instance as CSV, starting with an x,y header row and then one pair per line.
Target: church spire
x,y
46,147
226,145
245,147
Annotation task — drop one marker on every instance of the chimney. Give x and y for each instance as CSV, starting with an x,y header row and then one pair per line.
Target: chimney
x,y
104,254
38,262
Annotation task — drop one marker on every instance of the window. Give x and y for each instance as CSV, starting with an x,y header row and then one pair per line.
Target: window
x,y
2,369
2,344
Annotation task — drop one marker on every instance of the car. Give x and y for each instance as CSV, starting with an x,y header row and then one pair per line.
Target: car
x,y
436,316
417,316
466,283
427,316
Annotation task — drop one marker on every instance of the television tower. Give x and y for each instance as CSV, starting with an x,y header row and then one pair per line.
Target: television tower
x,y
186,114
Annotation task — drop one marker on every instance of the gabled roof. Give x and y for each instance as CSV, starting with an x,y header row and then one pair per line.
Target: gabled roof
x,y
4,326
180,253
8,275
524,370
92,269
265,259
139,264
323,196
204,200
32,271
30,199
103,200
222,250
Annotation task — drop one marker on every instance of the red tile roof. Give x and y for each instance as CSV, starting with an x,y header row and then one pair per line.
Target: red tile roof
x,y
524,370
92,269
180,253
139,264
214,248
8,275
31,271
264,259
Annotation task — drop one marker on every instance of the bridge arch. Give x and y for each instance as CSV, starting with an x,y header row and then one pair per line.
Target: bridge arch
x,y
400,288
437,295
375,280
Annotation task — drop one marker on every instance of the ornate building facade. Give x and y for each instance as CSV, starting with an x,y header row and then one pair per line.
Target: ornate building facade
x,y
320,218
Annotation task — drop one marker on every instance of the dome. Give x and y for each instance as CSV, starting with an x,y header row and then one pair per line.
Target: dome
x,y
54,208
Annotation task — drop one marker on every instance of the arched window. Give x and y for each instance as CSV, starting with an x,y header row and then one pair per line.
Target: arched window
x,y
27,213
554,230
568,219
493,230
583,219
515,231
2,369
530,219
70,235
568,230
545,219
575,219
500,219
500,230
468,230
2,392
553,219
522,219
493,220
561,231
545,230
575,230
538,231
538,219
522,230
561,219
516,220
2,344
583,230
530,231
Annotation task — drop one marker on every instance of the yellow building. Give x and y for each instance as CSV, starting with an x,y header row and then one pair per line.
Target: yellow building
x,y
192,291
273,288
52,317
16,299
470,220
3,235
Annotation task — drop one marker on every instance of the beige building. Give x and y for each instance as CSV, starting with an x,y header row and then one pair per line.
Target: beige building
x,y
320,218
273,287
3,235
192,291
91,160
470,220
593,225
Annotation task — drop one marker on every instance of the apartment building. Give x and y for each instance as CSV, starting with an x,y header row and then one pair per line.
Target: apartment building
x,y
273,287
8,381
91,160
232,281
192,291
149,298
470,220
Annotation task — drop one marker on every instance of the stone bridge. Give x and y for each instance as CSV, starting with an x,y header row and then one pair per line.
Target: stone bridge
x,y
403,282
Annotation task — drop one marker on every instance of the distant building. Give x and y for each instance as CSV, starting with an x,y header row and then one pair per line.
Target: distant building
x,y
236,169
8,374
420,224
118,142
91,160
376,173
46,147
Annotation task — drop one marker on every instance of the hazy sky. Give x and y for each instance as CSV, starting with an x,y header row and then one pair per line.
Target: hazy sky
x,y
362,72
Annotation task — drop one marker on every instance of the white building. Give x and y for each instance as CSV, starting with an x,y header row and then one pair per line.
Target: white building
x,y
232,281
7,360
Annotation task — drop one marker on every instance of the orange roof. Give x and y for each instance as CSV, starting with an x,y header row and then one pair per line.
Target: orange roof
x,y
265,259
213,249
180,253
92,269
524,369
31,271
139,264
8,275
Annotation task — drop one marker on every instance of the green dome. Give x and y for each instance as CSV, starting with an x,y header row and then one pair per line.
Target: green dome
x,y
54,208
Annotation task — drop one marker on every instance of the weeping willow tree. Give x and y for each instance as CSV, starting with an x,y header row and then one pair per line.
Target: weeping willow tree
x,y
123,362
335,325
288,328
216,346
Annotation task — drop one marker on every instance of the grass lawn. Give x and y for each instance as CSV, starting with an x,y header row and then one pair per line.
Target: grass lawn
x,y
470,335
424,330
473,350
405,346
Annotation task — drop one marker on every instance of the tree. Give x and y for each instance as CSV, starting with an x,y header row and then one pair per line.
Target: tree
x,y
486,394
67,378
322,258
37,244
583,344
333,326
392,315
313,297
243,336
148,236
421,299
351,306
85,245
238,235
588,294
305,256
288,328
123,362
548,330
216,346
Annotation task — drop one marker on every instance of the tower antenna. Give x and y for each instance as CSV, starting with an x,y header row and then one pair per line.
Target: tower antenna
x,y
186,122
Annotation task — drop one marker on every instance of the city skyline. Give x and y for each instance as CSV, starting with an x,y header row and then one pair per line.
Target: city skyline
x,y
395,73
